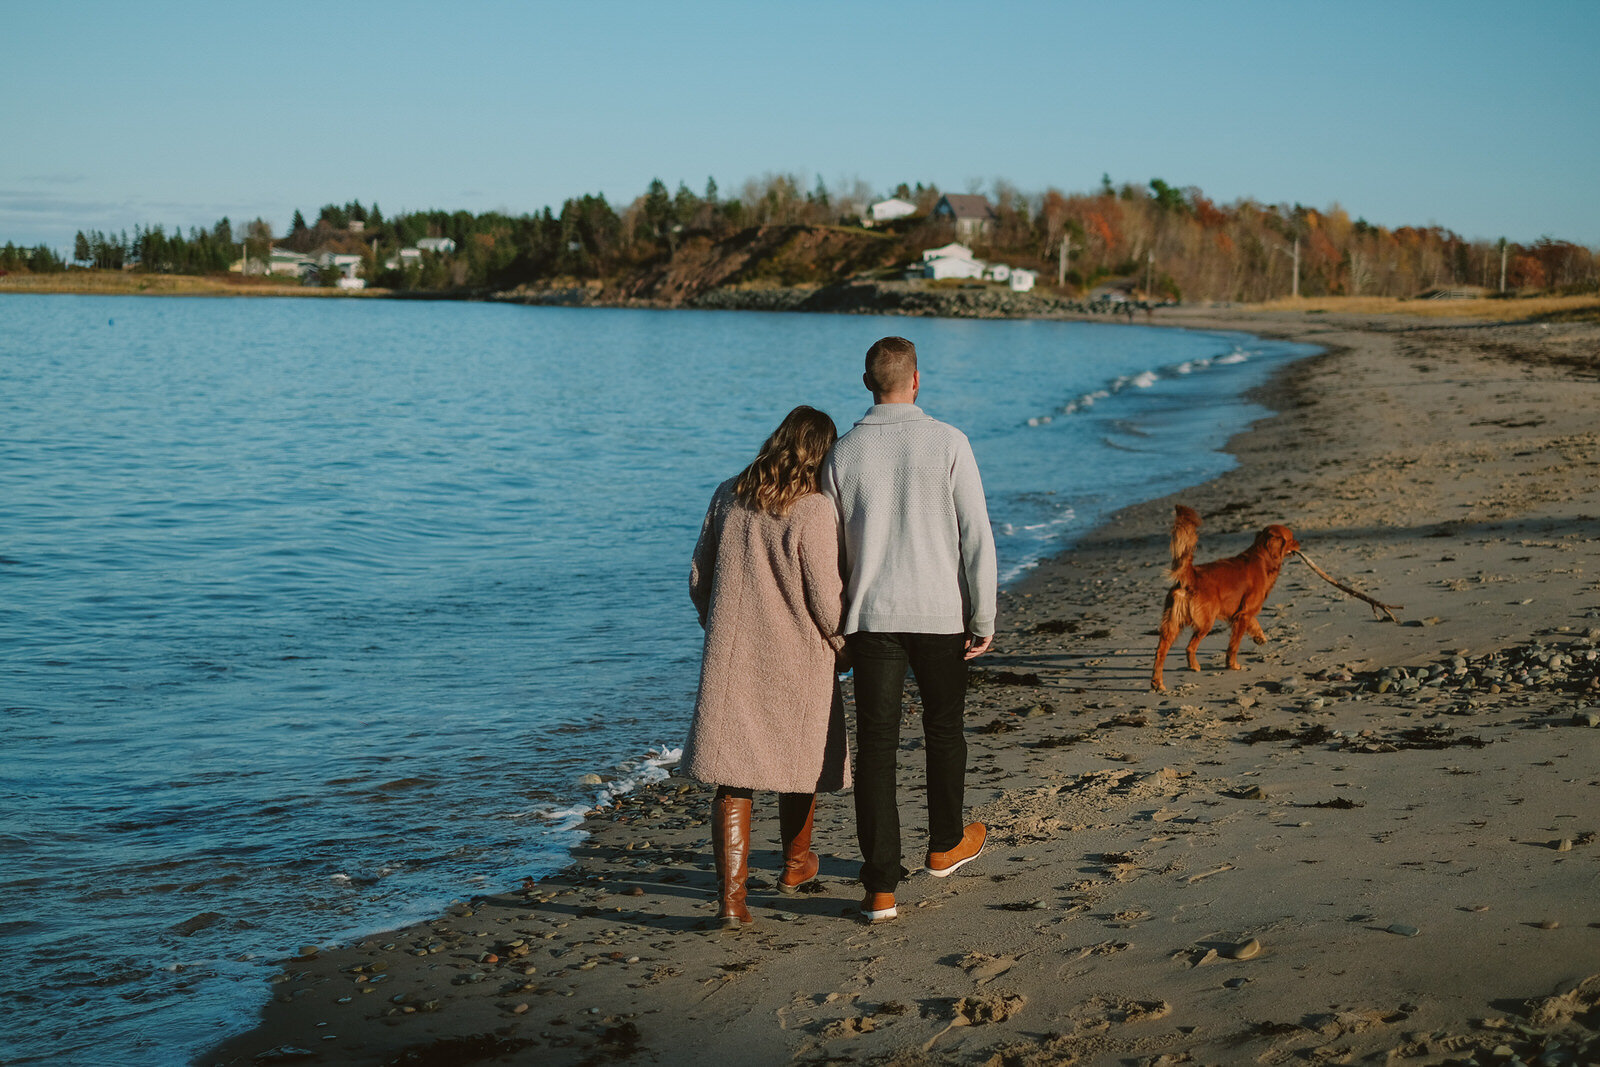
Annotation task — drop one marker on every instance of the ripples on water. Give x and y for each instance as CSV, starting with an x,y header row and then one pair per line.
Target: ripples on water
x,y
313,612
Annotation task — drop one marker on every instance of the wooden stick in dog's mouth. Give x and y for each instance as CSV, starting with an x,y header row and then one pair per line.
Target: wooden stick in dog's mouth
x,y
1377,606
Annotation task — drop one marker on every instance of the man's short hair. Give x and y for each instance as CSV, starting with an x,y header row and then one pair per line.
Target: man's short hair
x,y
891,362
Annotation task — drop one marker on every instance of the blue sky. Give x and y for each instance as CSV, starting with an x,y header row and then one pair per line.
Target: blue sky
x,y
1480,117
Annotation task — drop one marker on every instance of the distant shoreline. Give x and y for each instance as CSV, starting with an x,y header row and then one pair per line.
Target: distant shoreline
x,y
117,283
857,297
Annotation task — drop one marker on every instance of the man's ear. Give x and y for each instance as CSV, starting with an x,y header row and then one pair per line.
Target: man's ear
x,y
866,380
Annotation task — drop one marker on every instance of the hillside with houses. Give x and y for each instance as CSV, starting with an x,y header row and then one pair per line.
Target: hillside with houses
x,y
1115,245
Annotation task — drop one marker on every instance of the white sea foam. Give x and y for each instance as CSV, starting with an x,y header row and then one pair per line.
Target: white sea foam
x,y
1039,536
1142,380
629,775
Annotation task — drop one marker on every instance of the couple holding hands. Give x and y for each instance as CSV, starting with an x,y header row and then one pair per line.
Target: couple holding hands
x,y
870,551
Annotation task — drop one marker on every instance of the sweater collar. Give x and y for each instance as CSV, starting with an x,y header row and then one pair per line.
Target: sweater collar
x,y
879,414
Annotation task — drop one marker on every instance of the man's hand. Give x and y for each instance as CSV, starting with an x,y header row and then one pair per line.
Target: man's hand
x,y
977,646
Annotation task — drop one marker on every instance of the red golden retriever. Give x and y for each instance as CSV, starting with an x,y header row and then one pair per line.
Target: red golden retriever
x,y
1233,588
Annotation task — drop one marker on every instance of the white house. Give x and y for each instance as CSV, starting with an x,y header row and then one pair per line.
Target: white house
x,y
888,210
952,267
442,245
1022,280
951,249
408,257
283,261
347,265
279,261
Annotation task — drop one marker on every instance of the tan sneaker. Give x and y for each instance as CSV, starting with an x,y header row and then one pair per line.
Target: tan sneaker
x,y
878,907
941,864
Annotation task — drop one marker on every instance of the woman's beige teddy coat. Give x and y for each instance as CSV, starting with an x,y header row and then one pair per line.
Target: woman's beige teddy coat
x,y
770,598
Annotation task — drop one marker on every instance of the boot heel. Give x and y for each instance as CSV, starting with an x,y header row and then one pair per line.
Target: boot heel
x,y
795,814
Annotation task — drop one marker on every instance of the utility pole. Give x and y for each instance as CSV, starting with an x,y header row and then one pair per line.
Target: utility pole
x,y
1061,259
1149,267
1294,255
1502,265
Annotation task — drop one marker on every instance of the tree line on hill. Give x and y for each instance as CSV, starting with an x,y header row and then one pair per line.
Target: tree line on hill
x,y
1158,239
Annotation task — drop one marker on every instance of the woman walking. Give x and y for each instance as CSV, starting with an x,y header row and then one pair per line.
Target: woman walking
x,y
765,580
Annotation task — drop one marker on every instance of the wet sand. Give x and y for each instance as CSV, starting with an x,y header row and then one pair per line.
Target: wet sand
x,y
1377,839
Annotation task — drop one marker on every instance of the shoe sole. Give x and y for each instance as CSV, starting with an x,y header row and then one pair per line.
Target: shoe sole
x,y
791,890
875,917
945,872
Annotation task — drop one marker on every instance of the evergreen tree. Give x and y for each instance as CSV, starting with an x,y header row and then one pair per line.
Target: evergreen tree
x,y
685,205
45,261
657,207
80,248
819,195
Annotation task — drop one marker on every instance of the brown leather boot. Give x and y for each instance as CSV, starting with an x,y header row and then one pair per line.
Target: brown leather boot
x,y
730,845
800,864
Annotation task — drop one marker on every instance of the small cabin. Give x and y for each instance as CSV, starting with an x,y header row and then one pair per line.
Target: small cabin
x,y
888,210
952,267
952,249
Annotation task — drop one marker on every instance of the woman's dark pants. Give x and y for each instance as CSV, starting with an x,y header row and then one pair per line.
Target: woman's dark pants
x,y
938,663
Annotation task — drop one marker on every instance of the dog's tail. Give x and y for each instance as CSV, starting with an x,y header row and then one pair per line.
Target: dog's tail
x,y
1185,535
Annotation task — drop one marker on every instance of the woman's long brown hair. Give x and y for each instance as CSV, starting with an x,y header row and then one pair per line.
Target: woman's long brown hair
x,y
786,467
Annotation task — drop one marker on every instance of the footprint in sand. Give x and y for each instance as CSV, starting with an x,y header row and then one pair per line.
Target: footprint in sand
x,y
983,968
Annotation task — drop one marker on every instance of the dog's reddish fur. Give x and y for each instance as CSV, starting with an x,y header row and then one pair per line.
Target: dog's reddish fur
x,y
1232,589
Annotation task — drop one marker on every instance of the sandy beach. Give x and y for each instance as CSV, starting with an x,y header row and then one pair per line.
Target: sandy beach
x,y
1376,840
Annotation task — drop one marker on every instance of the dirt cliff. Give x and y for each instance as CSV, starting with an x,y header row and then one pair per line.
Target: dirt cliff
x,y
791,268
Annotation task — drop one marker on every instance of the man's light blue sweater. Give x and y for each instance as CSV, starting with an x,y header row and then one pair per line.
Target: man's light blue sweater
x,y
917,550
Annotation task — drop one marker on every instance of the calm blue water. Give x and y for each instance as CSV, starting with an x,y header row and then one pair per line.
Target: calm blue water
x,y
313,612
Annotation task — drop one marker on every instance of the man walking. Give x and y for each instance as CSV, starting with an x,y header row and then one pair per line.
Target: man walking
x,y
919,565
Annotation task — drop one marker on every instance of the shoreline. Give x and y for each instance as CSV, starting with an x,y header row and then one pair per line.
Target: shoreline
x,y
1140,839
854,297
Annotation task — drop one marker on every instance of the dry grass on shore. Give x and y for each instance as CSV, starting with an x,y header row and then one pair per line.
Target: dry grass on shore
x,y
1513,309
116,282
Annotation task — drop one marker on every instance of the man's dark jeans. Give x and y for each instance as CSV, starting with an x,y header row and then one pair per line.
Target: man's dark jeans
x,y
938,663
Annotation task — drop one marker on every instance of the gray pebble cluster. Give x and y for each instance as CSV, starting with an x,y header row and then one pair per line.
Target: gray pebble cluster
x,y
1566,666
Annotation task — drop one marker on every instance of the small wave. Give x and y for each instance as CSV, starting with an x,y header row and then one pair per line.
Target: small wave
x,y
1113,443
1041,539
630,775
1141,380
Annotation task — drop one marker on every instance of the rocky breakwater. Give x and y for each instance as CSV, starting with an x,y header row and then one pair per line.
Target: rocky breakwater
x,y
886,298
